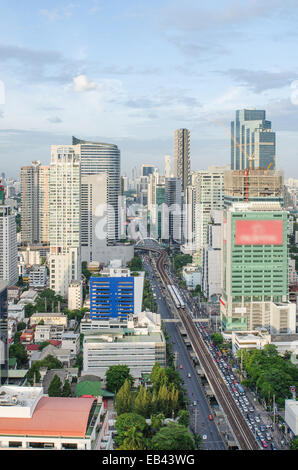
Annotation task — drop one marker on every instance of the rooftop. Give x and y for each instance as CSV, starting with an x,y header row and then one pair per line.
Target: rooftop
x,y
53,416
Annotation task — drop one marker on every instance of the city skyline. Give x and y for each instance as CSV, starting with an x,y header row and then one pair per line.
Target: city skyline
x,y
81,80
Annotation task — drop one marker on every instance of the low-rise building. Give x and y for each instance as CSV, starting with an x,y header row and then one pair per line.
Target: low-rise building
x,y
192,276
71,341
27,336
249,340
48,332
13,294
38,276
31,420
28,297
139,345
49,319
16,311
63,355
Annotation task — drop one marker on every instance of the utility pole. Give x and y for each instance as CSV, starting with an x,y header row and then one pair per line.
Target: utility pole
x,y
274,409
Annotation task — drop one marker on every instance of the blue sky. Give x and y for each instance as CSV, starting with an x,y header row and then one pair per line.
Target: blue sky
x,y
131,72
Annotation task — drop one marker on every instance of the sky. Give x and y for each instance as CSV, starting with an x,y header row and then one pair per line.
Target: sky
x,y
131,72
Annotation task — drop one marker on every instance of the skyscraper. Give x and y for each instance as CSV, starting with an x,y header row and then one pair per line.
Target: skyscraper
x,y
173,219
147,170
252,141
209,190
64,204
255,290
97,158
35,204
8,243
3,333
182,156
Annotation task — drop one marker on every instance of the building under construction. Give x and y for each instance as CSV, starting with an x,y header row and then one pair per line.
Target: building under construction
x,y
251,185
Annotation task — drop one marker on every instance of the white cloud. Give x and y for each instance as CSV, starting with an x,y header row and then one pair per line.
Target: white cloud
x,y
82,83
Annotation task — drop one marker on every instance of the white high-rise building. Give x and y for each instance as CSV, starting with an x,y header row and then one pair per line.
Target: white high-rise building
x,y
64,203
94,212
8,247
35,203
97,158
209,186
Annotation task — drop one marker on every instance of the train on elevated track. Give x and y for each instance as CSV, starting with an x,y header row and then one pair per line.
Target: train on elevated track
x,y
177,299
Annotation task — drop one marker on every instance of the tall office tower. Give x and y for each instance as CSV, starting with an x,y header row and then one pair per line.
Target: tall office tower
x,y
97,158
211,257
64,203
255,269
173,219
182,156
3,333
253,185
168,166
209,186
252,141
147,170
35,203
8,243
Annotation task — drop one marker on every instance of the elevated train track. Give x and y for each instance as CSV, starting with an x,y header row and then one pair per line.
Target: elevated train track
x,y
242,432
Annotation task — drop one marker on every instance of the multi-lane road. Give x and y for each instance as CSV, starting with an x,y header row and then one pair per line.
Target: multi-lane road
x,y
241,430
199,413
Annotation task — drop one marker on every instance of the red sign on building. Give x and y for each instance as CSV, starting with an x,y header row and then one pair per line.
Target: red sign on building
x,y
259,232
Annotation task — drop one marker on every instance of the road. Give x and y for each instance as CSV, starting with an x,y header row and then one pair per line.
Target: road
x,y
237,422
199,419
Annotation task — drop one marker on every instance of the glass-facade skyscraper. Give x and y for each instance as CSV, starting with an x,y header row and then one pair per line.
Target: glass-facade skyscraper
x,y
252,139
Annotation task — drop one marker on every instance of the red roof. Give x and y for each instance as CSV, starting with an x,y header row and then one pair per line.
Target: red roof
x,y
32,347
55,342
53,416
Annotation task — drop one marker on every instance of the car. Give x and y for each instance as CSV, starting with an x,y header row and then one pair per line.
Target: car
x,y
181,366
194,403
262,428
273,446
189,375
210,417
264,443
257,419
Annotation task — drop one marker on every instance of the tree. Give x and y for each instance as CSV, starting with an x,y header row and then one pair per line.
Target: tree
x,y
29,310
142,404
217,339
55,387
18,351
157,421
125,421
124,398
173,437
133,440
116,376
294,444
135,264
51,362
66,390
21,326
183,418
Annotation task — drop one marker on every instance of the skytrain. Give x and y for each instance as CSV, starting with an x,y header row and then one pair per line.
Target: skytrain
x,y
176,296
